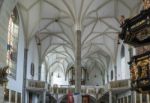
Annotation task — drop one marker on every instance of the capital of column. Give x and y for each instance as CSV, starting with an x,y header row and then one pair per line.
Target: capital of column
x,y
77,27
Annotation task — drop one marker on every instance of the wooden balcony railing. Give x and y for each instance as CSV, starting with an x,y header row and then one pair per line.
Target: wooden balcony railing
x,y
114,85
36,85
120,84
92,90
96,91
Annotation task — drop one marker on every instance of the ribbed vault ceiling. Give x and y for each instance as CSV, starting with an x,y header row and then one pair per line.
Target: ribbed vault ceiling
x,y
53,23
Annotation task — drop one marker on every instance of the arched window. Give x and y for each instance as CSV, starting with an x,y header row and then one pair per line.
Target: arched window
x,y
12,43
111,74
123,62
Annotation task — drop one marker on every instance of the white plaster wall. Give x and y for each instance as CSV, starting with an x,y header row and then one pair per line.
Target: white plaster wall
x,y
43,72
45,45
94,80
58,81
111,79
107,74
111,68
32,57
118,63
127,58
105,77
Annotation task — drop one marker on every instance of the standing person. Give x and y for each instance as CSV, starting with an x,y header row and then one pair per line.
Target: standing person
x,y
70,98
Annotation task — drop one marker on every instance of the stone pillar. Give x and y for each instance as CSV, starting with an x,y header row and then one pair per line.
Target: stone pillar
x,y
39,72
133,97
9,96
46,74
24,75
44,97
78,62
27,96
1,94
148,99
110,96
16,97
140,98
39,53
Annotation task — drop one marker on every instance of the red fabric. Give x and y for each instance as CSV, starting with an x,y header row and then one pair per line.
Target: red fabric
x,y
70,97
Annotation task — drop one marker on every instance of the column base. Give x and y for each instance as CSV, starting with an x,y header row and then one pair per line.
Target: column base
x,y
77,98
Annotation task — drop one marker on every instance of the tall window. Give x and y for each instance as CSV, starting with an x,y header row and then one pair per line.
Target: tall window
x,y
123,62
111,74
12,45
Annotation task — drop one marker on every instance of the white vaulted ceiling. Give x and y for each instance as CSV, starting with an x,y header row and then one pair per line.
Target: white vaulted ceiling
x,y
53,22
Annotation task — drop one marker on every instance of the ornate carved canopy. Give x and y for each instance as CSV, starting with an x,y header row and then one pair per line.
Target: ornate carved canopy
x,y
136,31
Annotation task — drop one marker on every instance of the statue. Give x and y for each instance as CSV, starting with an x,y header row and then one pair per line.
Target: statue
x,y
3,74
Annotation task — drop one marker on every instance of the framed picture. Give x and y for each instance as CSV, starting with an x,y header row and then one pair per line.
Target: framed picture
x,y
85,99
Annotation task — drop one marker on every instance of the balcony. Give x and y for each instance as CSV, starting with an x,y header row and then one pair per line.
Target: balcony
x,y
35,85
120,84
95,91
91,90
115,86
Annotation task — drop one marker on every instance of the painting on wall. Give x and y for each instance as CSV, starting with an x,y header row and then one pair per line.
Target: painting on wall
x,y
85,99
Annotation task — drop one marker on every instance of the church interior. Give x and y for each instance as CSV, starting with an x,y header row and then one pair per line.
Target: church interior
x,y
75,51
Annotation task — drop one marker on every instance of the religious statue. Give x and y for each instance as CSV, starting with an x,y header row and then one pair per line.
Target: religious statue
x,y
3,74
